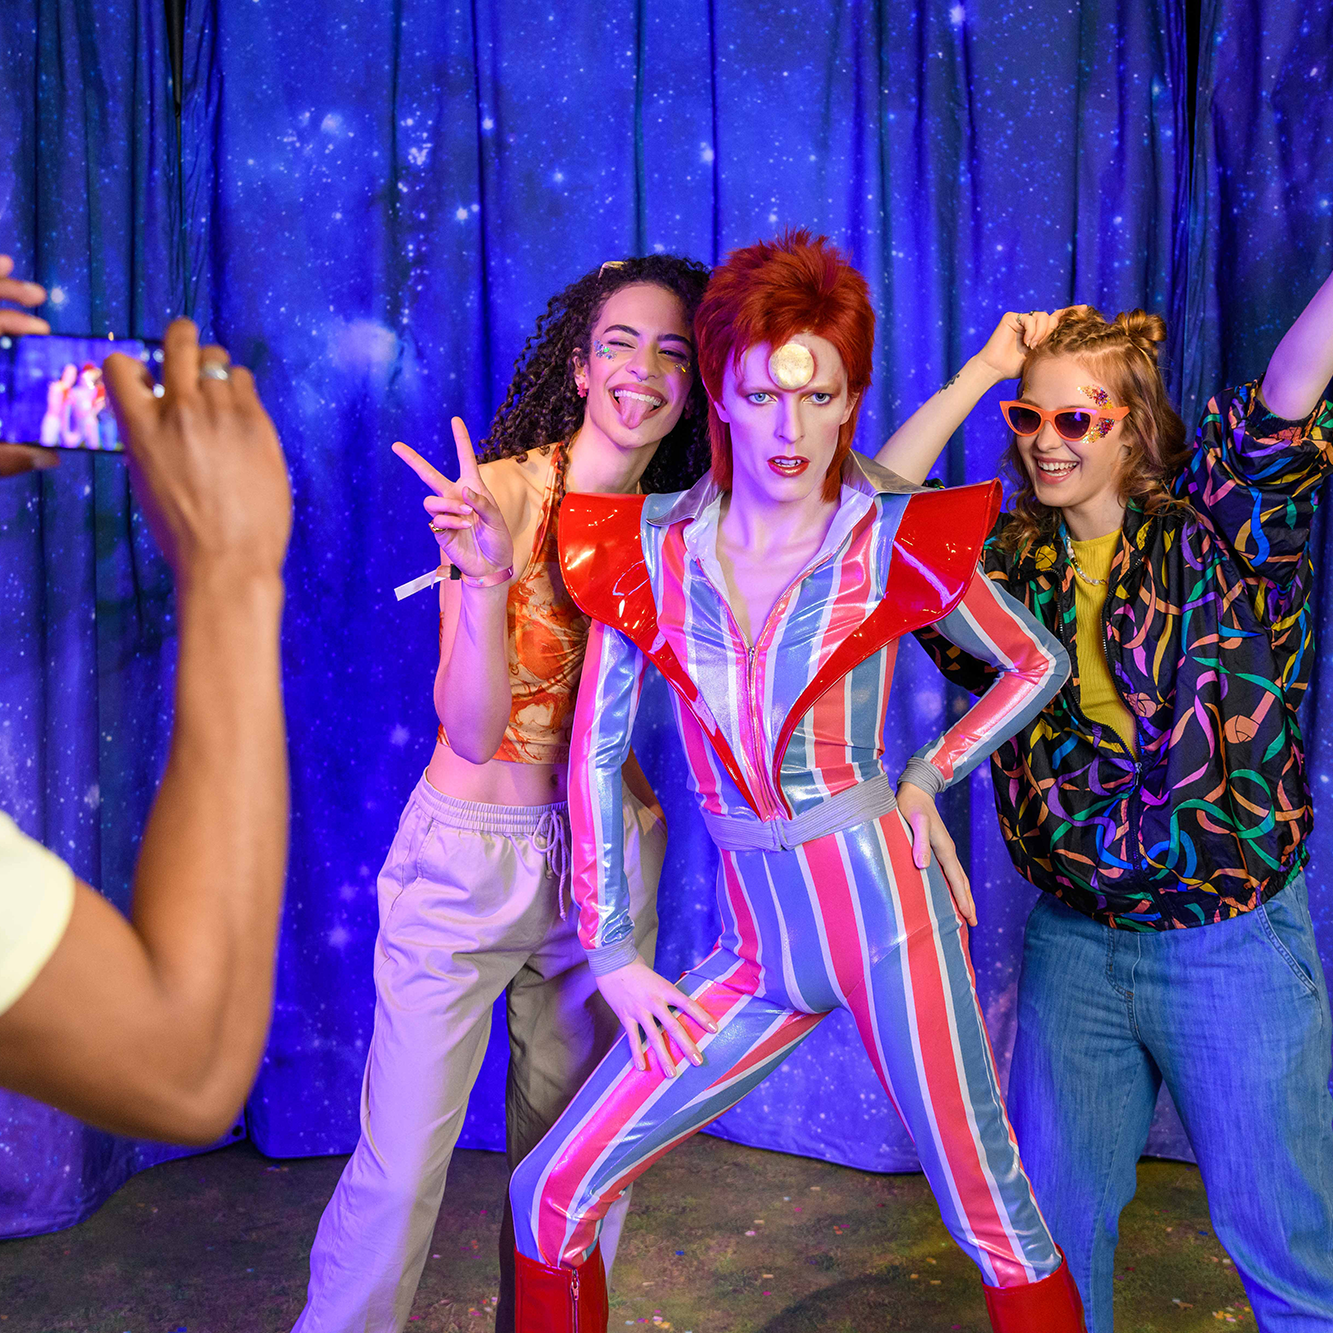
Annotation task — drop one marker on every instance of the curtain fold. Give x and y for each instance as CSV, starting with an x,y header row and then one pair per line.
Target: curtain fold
x,y
381,241
371,205
1260,243
86,621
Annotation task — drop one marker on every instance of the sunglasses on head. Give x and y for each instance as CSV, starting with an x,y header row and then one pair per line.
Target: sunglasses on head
x,y
1071,423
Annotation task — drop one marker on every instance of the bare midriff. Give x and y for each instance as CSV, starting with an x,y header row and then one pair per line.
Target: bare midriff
x,y
497,781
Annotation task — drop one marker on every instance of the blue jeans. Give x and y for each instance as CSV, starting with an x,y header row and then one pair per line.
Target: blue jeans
x,y
1235,1017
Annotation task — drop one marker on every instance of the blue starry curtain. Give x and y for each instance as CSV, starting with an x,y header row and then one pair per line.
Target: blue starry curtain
x,y
370,205
1260,243
86,634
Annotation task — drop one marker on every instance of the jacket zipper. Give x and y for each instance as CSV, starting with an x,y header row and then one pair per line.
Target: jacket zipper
x,y
1135,801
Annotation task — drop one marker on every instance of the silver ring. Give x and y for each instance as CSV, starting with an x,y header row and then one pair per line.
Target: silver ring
x,y
214,370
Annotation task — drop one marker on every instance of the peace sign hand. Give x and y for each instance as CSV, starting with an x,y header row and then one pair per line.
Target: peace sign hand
x,y
465,519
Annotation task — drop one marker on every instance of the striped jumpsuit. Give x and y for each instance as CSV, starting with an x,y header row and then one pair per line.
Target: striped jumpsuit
x,y
772,730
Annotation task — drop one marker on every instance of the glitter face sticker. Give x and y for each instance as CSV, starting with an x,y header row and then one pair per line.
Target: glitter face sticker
x,y
1100,427
792,366
599,348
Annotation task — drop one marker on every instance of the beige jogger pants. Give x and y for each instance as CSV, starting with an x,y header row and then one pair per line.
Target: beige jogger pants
x,y
470,901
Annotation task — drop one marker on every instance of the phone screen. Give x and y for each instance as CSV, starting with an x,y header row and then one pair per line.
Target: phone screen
x,y
51,390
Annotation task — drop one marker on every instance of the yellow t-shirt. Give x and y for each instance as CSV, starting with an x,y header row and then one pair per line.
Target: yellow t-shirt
x,y
1097,693
36,899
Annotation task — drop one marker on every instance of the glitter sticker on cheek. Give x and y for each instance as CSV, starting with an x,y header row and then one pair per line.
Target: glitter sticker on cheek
x,y
606,353
1101,427
681,367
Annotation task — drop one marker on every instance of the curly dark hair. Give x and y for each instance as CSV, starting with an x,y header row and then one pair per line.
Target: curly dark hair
x,y
543,407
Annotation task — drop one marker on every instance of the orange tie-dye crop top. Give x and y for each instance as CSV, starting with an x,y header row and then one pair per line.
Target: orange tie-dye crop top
x,y
547,635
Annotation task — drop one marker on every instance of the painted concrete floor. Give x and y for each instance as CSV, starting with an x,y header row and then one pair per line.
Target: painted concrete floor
x,y
721,1239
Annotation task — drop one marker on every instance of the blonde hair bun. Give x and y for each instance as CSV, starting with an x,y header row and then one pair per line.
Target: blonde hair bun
x,y
1145,331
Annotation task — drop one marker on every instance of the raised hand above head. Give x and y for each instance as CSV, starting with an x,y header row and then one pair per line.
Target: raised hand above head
x,y
1015,336
204,459
911,451
465,518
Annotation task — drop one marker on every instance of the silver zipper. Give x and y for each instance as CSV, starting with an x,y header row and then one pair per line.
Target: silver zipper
x,y
750,652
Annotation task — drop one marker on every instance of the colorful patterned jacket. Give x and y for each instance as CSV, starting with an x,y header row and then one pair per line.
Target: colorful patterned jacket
x,y
1208,635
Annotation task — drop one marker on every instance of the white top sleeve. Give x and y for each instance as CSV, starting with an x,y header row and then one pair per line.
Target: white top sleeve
x,y
36,899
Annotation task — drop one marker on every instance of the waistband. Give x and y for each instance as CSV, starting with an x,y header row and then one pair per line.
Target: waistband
x,y
855,805
511,821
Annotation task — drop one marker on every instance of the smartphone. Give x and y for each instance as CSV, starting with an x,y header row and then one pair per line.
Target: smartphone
x,y
51,390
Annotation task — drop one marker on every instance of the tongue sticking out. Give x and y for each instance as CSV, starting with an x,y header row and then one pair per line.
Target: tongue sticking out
x,y
633,410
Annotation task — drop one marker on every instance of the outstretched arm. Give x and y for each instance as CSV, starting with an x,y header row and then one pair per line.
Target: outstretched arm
x,y
1302,364
472,692
155,1026
912,449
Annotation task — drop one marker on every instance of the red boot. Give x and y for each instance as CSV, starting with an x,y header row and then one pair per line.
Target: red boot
x,y
556,1299
1049,1306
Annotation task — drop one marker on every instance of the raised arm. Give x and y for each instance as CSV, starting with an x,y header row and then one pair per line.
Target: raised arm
x,y
911,451
1262,454
472,692
613,671
1030,666
1302,364
155,1026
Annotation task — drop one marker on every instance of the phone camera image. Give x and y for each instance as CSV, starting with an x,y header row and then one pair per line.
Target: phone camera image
x,y
52,394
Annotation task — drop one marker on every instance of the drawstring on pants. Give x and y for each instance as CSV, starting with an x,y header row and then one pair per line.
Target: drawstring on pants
x,y
551,838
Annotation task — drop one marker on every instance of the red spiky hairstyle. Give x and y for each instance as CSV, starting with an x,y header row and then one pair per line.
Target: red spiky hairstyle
x,y
767,293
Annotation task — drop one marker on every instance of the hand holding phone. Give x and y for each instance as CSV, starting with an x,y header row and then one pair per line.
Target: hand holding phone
x,y
205,461
52,394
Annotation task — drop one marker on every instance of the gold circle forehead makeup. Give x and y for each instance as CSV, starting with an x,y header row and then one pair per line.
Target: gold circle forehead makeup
x,y
792,366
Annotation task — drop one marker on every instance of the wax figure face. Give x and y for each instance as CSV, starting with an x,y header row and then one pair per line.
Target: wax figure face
x,y
640,366
1071,473
783,440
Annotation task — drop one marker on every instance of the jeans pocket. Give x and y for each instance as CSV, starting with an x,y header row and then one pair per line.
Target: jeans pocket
x,y
1279,919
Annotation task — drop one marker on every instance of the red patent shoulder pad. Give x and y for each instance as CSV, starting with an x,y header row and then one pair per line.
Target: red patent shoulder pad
x,y
935,553
601,557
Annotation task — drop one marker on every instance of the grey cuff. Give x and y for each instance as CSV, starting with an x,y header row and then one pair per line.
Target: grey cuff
x,y
612,956
922,773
